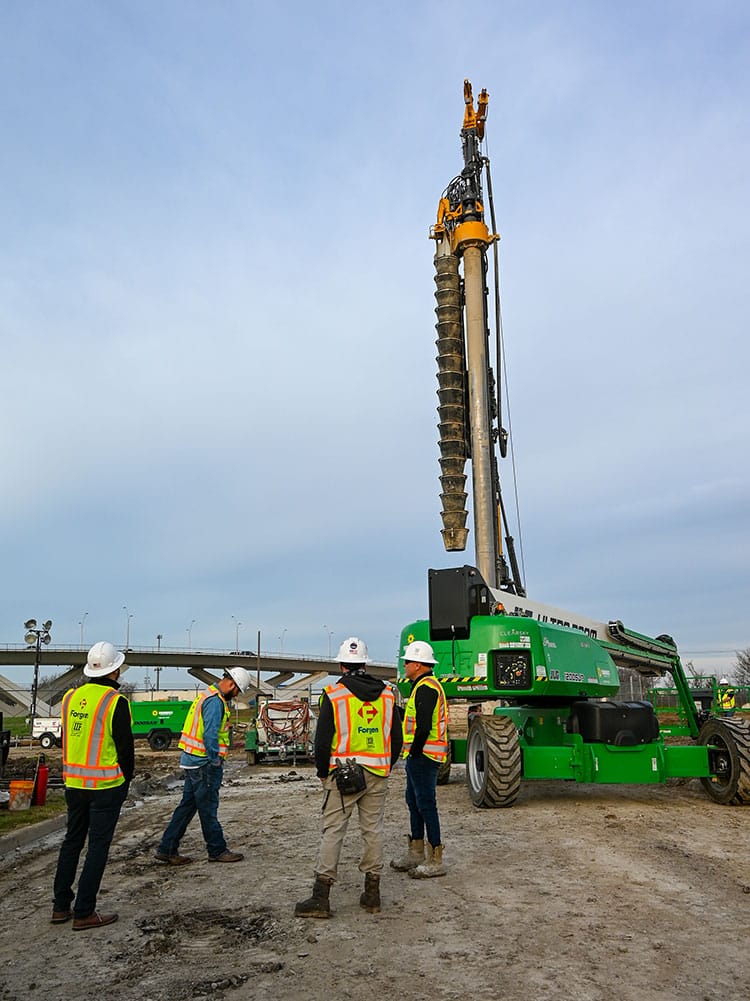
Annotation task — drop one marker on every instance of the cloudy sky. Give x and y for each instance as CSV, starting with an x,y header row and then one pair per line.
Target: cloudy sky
x,y
216,308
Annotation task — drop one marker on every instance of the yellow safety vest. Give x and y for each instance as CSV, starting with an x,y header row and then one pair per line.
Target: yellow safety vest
x,y
191,739
436,745
726,698
363,729
89,752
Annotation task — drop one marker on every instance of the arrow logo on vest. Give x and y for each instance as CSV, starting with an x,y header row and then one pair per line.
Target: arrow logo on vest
x,y
368,712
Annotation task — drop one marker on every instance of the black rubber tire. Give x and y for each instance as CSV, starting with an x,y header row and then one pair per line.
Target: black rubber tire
x,y
159,741
47,741
731,738
493,761
444,771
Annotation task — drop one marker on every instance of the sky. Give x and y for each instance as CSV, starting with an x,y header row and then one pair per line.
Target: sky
x,y
216,313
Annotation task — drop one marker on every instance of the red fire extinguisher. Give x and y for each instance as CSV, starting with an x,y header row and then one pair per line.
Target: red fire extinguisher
x,y
39,796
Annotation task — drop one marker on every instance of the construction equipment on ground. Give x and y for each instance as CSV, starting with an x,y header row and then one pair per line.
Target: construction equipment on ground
x,y
282,731
531,688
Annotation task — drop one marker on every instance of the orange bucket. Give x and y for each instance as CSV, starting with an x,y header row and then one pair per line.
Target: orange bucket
x,y
21,791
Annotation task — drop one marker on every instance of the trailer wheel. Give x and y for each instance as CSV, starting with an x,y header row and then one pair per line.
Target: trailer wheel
x,y
47,740
728,742
493,761
444,771
159,741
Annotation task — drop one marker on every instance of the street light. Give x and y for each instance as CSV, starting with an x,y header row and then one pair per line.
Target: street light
x,y
190,634
35,636
330,637
127,627
82,623
281,639
237,625
157,669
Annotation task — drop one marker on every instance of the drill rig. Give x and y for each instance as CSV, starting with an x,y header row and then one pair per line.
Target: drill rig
x,y
531,688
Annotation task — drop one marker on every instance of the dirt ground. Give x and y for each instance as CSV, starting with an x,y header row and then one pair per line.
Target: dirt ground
x,y
592,893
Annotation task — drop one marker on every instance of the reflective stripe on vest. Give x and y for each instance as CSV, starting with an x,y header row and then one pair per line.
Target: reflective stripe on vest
x,y
726,698
191,739
363,729
89,752
436,745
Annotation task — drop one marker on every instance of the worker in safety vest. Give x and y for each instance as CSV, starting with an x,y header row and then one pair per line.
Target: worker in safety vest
x,y
98,764
358,724
204,744
425,748
727,697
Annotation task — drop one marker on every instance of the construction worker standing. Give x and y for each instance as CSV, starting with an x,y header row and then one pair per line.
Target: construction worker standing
x,y
355,725
205,744
727,697
98,764
425,747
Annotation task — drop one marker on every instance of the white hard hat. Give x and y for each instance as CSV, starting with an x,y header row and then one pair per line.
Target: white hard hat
x,y
103,659
240,677
419,652
724,681
353,651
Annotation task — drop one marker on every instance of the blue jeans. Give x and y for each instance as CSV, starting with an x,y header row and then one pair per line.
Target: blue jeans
x,y
92,813
200,795
421,786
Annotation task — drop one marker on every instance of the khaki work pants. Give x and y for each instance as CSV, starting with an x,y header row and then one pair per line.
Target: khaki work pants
x,y
370,805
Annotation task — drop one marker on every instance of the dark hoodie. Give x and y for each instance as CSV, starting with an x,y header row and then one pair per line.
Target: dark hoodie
x,y
367,689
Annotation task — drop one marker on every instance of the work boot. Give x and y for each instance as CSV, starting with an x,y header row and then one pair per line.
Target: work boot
x,y
370,899
316,906
432,866
411,857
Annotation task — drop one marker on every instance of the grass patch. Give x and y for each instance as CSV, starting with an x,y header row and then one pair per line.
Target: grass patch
x,y
12,820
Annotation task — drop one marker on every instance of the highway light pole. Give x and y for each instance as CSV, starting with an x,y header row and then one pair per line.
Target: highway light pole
x,y
237,626
127,627
35,636
82,623
190,634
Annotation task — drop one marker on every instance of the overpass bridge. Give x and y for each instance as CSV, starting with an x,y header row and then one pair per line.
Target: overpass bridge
x,y
289,673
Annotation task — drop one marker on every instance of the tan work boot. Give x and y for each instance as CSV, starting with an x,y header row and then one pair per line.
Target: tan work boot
x,y
316,906
432,866
370,899
411,857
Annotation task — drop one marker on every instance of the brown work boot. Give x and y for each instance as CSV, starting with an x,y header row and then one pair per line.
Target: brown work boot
x,y
432,865
60,917
370,899
411,857
316,906
175,859
94,921
227,856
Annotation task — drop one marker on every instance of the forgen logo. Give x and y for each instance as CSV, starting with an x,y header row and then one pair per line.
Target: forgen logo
x,y
77,717
368,713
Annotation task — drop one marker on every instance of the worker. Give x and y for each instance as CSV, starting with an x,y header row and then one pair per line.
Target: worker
x,y
98,764
357,723
425,748
727,697
204,744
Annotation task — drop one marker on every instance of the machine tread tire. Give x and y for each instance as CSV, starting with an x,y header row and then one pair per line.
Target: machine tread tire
x,y
493,761
733,737
47,741
160,740
444,771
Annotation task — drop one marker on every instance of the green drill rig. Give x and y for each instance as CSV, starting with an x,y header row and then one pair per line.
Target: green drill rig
x,y
531,688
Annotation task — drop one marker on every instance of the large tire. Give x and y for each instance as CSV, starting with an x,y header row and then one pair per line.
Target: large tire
x,y
444,771
47,741
730,741
493,761
159,740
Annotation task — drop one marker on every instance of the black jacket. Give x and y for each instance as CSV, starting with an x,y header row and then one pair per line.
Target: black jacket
x,y
424,705
122,730
366,689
